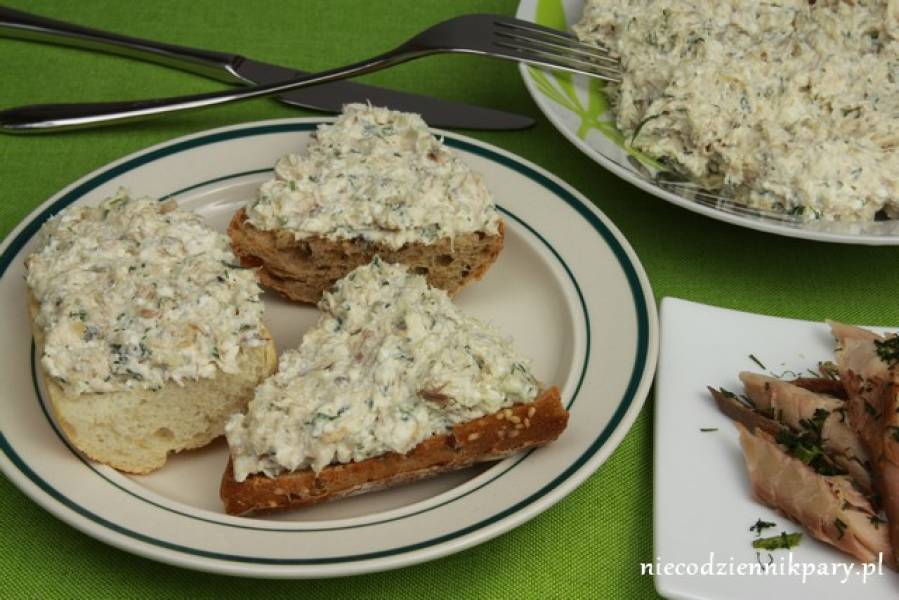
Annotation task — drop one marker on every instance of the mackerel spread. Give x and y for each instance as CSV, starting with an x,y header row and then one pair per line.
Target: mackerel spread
x,y
390,363
134,293
378,175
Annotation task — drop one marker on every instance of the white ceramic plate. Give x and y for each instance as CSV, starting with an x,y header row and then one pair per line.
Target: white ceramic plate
x,y
567,287
703,502
579,109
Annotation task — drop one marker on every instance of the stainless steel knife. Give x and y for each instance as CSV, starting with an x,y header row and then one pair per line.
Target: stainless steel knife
x,y
233,68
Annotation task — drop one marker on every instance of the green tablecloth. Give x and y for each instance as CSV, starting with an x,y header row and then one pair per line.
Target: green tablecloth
x,y
588,545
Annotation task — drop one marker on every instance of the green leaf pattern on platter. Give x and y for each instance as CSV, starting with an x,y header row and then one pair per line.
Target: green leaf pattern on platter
x,y
559,86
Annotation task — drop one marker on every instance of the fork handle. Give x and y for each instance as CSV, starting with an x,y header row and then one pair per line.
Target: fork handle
x,y
22,25
38,118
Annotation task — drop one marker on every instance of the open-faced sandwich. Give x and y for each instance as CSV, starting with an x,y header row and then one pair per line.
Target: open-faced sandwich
x,y
825,451
149,333
394,383
375,182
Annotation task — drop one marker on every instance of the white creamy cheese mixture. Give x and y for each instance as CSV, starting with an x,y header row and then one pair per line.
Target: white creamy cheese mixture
x,y
390,363
787,105
134,292
379,175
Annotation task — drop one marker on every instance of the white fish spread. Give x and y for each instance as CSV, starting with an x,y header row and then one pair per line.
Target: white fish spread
x,y
134,292
378,175
787,105
390,363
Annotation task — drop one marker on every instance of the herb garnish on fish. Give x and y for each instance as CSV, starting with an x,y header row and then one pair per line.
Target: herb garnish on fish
x,y
757,361
760,526
888,350
841,527
784,540
829,369
806,445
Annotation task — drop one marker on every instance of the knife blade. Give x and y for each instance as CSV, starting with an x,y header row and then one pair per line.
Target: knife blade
x,y
233,68
332,96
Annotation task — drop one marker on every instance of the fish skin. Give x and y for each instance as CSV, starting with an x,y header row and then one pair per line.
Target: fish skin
x,y
793,404
738,411
873,386
821,385
814,501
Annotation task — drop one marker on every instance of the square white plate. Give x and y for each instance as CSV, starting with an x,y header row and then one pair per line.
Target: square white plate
x,y
703,503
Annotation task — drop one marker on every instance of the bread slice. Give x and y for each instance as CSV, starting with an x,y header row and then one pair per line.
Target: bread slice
x,y
302,269
491,437
135,430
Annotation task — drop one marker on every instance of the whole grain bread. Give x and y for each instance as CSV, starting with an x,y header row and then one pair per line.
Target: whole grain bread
x,y
135,430
303,269
488,438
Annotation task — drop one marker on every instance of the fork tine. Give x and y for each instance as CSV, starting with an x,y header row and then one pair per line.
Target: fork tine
x,y
536,31
531,26
539,57
512,23
579,51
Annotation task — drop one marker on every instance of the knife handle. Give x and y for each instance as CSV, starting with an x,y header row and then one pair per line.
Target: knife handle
x,y
22,25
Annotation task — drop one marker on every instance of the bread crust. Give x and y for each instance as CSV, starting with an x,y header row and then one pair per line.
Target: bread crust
x,y
303,269
102,439
491,437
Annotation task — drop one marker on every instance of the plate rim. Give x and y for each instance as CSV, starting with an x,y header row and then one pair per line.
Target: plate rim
x,y
622,418
525,11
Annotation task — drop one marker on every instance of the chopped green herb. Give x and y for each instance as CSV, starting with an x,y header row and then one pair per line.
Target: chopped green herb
x,y
784,540
644,122
841,527
869,408
874,497
888,350
758,559
757,361
759,526
233,266
707,429
785,374
816,423
842,411
876,521
806,444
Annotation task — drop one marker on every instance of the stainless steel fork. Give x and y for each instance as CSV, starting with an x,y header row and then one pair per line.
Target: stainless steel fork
x,y
488,35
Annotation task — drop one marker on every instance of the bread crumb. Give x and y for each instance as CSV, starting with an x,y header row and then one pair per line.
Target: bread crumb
x,y
515,419
531,411
473,436
514,433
